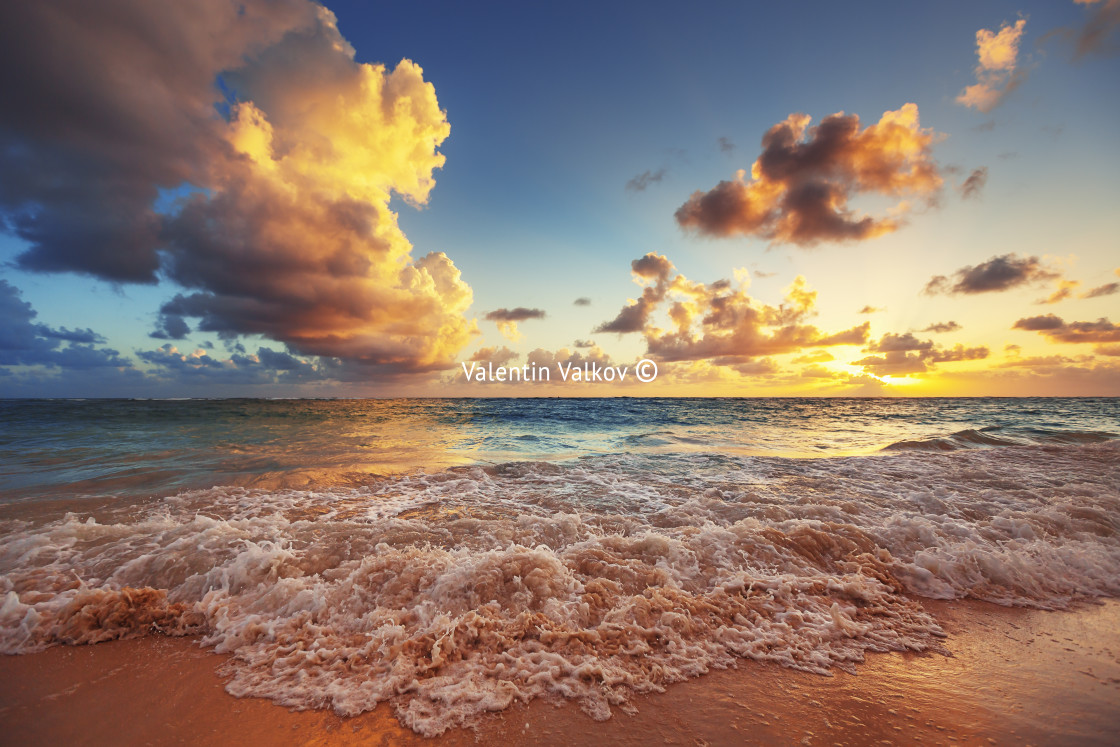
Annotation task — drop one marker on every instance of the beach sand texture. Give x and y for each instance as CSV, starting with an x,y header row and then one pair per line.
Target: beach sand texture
x,y
1015,677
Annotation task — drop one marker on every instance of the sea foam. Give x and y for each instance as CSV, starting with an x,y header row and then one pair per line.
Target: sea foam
x,y
454,593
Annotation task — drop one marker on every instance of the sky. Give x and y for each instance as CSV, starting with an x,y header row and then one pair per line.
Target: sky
x,y
280,198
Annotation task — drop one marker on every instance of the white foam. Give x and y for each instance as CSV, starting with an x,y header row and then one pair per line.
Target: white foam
x,y
460,592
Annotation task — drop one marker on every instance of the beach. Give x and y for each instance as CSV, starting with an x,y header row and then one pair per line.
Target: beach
x,y
1015,677
588,570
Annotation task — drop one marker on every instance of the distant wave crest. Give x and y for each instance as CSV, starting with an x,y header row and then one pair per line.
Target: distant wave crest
x,y
999,436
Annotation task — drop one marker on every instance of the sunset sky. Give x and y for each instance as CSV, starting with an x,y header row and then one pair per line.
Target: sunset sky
x,y
256,198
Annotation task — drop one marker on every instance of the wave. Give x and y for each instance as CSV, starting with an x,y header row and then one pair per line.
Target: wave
x,y
456,593
1000,436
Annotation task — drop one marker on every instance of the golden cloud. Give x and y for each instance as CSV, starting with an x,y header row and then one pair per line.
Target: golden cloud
x,y
718,321
799,187
284,228
996,71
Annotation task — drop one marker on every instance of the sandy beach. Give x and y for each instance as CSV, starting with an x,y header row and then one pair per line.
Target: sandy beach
x,y
1016,676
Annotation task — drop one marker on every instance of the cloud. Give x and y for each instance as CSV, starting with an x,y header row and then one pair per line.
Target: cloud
x,y
1101,290
634,317
498,356
550,359
170,327
1064,290
718,321
520,314
1097,36
939,327
975,182
199,367
871,309
582,301
285,170
640,182
996,71
1056,330
905,354
23,342
507,320
996,274
800,185
726,146
816,356
583,344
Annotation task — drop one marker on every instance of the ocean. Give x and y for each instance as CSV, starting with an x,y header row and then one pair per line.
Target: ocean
x,y
455,557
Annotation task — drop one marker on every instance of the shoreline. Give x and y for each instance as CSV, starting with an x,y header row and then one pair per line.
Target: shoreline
x,y
1016,674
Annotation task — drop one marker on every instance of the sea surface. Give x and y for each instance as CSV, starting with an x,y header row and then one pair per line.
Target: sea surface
x,y
454,557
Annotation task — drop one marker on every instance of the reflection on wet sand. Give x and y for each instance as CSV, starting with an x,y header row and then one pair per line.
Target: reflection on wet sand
x,y
1015,676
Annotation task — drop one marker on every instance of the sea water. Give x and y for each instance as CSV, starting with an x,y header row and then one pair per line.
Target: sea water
x,y
454,557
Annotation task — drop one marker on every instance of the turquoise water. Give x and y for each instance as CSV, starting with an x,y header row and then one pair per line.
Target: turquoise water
x,y
53,447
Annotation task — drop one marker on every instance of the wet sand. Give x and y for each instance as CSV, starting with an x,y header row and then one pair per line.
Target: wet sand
x,y
1016,677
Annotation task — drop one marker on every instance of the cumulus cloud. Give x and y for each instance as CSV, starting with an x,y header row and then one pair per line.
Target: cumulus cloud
x,y
170,327
1056,329
905,354
24,342
498,356
997,73
939,327
507,320
284,153
799,187
996,274
718,321
551,358
199,367
974,183
640,182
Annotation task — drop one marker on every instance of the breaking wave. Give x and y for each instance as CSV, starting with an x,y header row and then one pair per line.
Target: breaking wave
x,y
971,438
454,593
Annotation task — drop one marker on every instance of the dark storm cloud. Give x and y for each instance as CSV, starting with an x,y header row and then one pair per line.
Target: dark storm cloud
x,y
996,274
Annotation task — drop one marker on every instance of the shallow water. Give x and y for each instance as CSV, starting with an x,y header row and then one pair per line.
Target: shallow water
x,y
455,557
